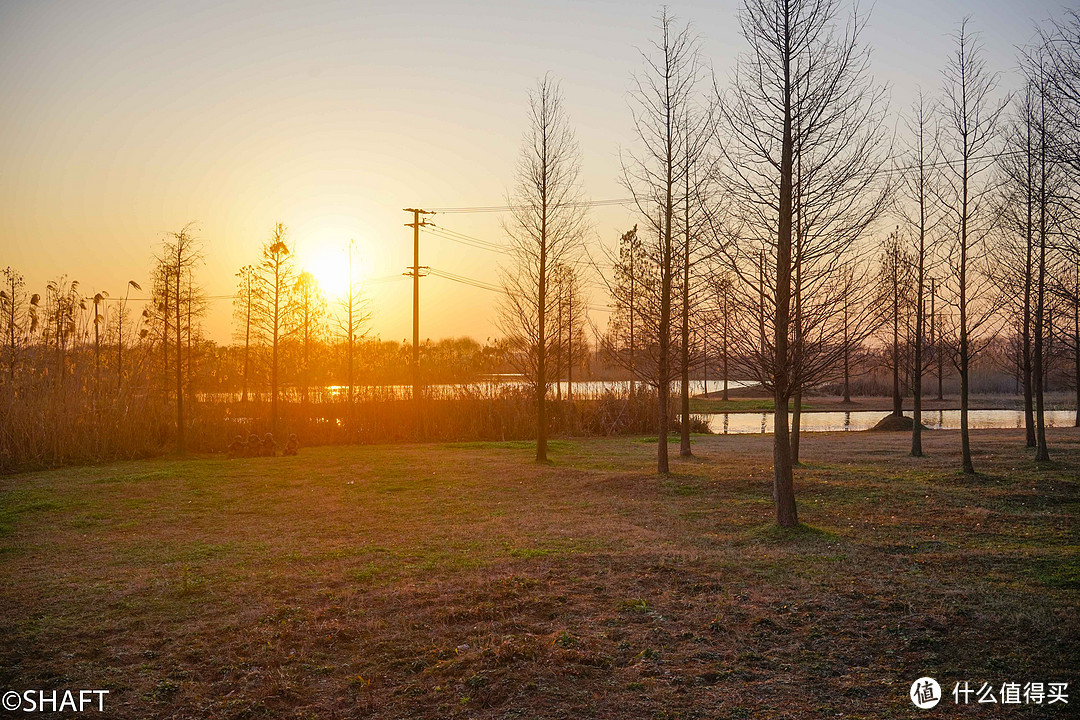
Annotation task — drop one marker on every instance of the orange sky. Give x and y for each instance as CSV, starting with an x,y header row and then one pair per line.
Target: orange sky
x,y
120,121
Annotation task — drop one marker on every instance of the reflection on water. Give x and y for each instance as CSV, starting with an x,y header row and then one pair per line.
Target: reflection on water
x,y
761,423
488,386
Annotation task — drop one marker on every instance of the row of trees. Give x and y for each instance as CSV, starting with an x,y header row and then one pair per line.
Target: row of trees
x,y
784,236
764,206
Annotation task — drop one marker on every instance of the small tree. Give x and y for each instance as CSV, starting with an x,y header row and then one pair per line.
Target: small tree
x,y
14,316
243,305
895,292
274,307
310,323
630,283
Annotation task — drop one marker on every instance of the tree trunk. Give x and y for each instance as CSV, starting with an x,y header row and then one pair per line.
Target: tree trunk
x,y
920,317
1042,452
965,435
541,348
897,399
274,349
725,346
559,348
247,342
783,482
847,352
1076,340
684,354
570,341
664,364
1029,402
181,445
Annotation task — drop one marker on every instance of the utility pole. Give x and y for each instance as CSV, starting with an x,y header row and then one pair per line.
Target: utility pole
x,y
415,271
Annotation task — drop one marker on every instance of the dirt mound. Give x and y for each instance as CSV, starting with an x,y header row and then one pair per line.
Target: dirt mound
x,y
893,422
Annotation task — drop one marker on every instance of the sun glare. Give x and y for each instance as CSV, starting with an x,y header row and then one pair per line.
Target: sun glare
x,y
330,266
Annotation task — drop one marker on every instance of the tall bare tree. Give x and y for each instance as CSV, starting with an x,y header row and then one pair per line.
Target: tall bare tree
x,y
181,252
970,117
1019,170
920,214
275,306
546,229
654,173
696,119
801,137
352,317
1052,193
1058,55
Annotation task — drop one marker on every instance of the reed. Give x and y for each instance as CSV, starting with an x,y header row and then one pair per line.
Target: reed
x,y
47,426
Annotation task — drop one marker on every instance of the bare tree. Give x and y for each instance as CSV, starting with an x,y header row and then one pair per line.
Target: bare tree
x,y
310,317
243,304
920,214
15,317
546,228
697,121
275,307
801,138
970,134
723,286
1019,170
353,316
1058,56
181,252
1051,200
895,293
653,173
570,319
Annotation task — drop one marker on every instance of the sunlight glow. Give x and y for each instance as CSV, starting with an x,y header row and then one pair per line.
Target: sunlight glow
x,y
328,262
328,266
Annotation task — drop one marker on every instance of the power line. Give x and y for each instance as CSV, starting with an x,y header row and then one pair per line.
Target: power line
x,y
466,280
929,165
468,240
493,288
507,208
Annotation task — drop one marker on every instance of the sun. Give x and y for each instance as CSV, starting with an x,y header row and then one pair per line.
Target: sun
x,y
329,266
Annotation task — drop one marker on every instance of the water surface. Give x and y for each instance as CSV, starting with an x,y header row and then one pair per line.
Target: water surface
x,y
749,423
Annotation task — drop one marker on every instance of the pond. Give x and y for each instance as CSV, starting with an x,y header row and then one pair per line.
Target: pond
x,y
761,423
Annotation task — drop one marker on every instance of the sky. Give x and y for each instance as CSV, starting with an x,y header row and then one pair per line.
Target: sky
x,y
123,120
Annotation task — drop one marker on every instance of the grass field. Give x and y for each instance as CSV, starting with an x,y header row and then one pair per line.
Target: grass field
x,y
465,581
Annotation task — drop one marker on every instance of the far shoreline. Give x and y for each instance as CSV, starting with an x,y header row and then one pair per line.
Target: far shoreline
x,y
752,400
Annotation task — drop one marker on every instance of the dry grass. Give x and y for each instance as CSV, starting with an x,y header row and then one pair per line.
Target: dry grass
x,y
463,580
